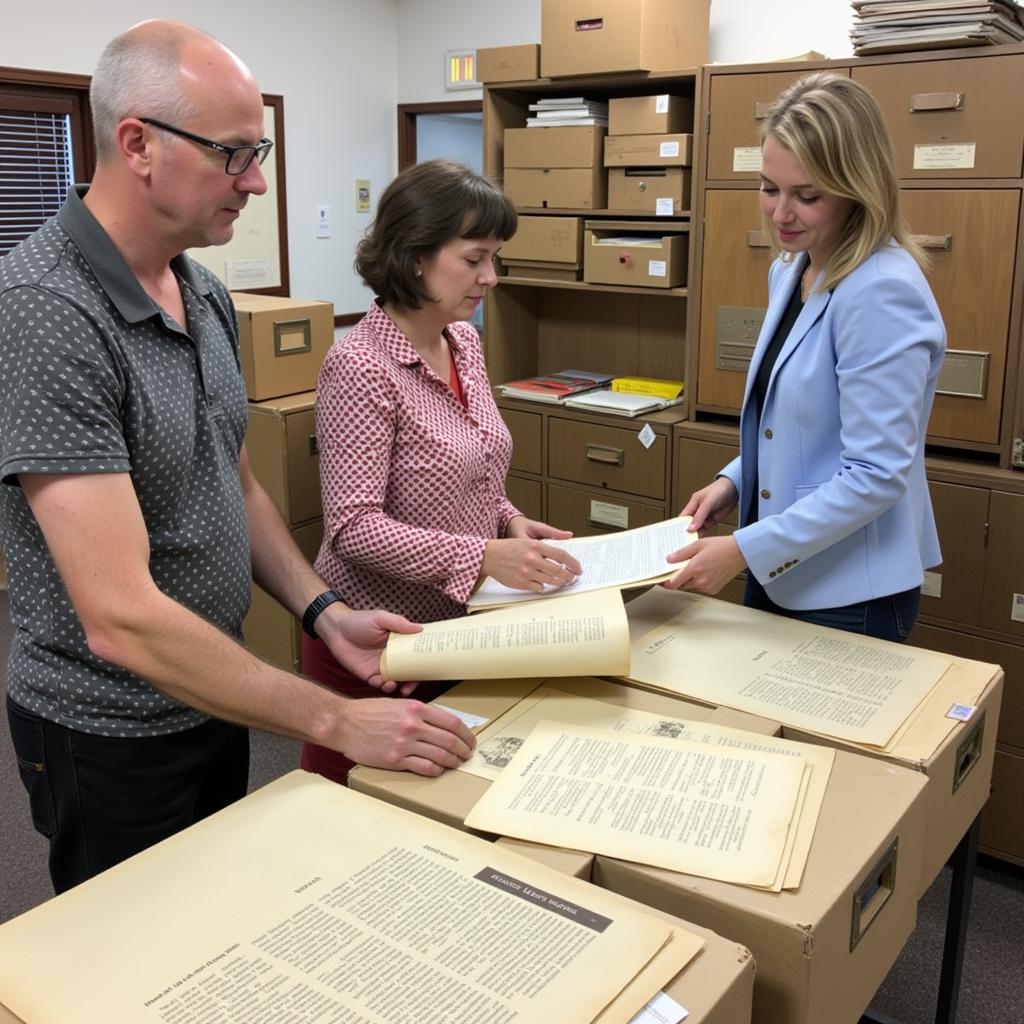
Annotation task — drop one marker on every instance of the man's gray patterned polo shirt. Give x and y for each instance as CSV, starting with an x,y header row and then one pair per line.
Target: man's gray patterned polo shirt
x,y
96,378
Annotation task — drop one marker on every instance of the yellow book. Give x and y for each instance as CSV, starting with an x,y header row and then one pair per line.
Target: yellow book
x,y
648,386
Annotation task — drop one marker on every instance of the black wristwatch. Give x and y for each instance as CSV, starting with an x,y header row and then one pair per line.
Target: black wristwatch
x,y
316,606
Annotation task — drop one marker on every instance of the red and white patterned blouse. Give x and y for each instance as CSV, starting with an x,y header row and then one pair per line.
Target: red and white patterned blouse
x,y
413,482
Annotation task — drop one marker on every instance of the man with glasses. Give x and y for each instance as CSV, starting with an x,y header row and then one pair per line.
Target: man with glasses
x,y
129,514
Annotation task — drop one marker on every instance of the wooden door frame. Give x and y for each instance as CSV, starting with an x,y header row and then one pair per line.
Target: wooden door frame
x,y
407,114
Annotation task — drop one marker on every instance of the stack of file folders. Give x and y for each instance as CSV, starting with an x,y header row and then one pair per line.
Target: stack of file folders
x,y
887,26
567,111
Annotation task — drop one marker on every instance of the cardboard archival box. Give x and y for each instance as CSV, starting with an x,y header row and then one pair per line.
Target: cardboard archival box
x,y
561,188
580,146
282,448
283,343
538,270
956,757
271,631
650,115
451,796
580,38
648,150
715,988
658,265
647,189
508,63
546,239
821,950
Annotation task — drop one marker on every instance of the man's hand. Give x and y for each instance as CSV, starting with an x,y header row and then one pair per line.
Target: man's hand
x,y
404,735
710,563
357,640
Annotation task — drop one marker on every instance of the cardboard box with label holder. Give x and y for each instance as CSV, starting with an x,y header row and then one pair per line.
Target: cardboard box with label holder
x,y
546,248
639,253
557,168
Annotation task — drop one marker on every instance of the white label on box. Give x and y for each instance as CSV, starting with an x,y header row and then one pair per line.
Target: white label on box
x,y
664,207
746,158
242,274
661,104
657,268
662,1009
470,720
932,585
647,436
607,514
1017,608
961,712
668,149
942,157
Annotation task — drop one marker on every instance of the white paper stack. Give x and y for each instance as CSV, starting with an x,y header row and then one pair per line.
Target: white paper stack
x,y
886,26
568,111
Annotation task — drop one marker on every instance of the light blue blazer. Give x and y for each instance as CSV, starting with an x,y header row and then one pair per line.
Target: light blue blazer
x,y
843,509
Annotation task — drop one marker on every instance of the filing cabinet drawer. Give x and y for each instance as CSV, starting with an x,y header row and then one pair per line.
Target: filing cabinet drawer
x,y
525,428
970,237
955,585
1002,605
739,104
734,295
526,496
952,118
1002,823
697,464
612,457
588,513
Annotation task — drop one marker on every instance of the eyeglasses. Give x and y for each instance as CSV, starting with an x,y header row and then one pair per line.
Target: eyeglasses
x,y
238,157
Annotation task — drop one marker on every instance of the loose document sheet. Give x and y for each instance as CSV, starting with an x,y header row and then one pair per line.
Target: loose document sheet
x,y
576,634
626,559
502,739
308,902
716,812
822,680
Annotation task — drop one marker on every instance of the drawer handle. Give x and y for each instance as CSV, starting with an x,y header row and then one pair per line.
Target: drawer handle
x,y
598,525
758,240
602,453
924,101
943,242
763,110
314,447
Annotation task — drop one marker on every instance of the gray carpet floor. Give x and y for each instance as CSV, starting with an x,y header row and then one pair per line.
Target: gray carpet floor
x,y
992,989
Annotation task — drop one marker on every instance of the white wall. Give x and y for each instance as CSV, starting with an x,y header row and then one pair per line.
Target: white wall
x,y
741,31
334,61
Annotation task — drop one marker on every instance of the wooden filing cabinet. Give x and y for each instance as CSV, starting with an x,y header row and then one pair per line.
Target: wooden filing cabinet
x,y
527,496
588,512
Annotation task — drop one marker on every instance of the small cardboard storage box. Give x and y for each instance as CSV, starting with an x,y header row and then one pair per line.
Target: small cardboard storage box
x,y
508,63
821,950
451,796
281,443
539,270
580,38
581,146
271,631
546,239
639,253
955,757
283,343
648,151
560,188
650,115
664,191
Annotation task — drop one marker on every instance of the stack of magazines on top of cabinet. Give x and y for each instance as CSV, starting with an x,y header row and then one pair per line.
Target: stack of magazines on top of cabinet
x,y
555,387
889,26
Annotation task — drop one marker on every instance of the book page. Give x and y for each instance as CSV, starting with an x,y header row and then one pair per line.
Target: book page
x,y
718,813
824,680
501,740
612,560
578,634
309,902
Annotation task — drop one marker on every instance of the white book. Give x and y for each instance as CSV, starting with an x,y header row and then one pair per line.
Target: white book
x,y
566,122
619,403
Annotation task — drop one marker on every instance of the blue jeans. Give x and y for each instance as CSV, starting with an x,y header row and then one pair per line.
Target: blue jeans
x,y
887,618
101,799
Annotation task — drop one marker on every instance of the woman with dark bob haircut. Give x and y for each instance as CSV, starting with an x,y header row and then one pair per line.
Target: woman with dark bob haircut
x,y
413,452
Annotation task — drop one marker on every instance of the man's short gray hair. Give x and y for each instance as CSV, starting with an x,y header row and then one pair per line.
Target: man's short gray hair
x,y
138,76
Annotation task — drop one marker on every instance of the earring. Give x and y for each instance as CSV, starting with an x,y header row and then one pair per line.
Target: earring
x,y
419,273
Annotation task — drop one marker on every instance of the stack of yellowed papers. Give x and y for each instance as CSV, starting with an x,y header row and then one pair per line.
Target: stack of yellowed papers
x,y
629,558
690,796
823,681
309,902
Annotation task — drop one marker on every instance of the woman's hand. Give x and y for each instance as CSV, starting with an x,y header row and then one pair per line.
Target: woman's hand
x,y
523,561
710,563
711,504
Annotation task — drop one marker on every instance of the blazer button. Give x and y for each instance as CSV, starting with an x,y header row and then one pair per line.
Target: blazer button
x,y
781,569
766,494
773,574
768,433
788,565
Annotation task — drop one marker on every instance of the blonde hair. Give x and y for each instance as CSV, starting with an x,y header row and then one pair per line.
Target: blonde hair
x,y
834,127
